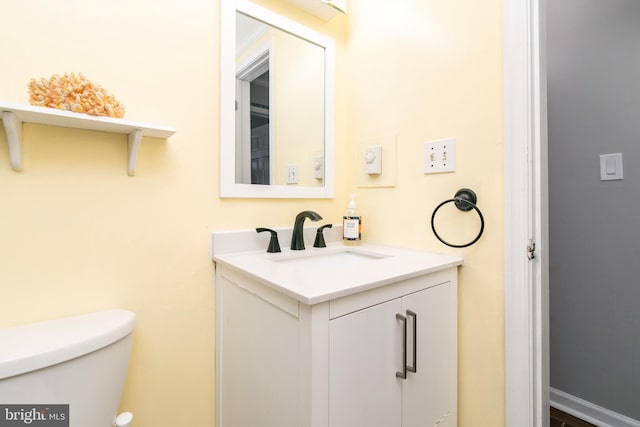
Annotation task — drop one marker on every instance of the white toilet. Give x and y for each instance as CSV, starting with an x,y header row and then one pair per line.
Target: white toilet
x,y
81,361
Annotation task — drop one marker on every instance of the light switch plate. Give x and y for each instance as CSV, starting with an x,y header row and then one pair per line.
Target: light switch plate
x,y
440,156
388,162
292,174
611,167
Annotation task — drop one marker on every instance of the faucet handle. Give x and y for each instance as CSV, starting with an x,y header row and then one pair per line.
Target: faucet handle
x,y
319,242
274,246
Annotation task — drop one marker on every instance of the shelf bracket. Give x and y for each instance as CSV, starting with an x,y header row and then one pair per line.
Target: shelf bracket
x,y
13,128
133,145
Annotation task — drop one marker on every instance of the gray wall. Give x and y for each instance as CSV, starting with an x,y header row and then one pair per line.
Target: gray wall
x,y
594,108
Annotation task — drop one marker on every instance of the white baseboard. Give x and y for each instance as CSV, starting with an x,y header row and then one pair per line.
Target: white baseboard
x,y
589,412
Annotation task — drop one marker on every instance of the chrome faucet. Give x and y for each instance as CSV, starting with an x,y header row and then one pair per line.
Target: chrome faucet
x,y
297,239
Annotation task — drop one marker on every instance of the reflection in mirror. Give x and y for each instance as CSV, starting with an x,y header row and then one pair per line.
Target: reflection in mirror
x,y
277,77
280,124
253,98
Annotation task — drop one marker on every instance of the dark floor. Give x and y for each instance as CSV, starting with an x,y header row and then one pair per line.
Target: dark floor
x,y
561,419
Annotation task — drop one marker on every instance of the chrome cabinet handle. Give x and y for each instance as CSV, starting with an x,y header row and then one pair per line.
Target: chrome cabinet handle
x,y
414,368
403,374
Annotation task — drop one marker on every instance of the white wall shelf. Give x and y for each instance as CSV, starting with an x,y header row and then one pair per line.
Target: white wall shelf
x,y
323,9
13,115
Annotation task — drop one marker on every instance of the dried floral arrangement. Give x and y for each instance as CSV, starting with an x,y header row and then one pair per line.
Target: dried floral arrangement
x,y
74,92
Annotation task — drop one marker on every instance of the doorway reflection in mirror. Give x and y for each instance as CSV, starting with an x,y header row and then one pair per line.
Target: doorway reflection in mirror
x,y
280,106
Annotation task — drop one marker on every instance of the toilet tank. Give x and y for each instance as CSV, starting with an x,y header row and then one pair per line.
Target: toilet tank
x,y
80,361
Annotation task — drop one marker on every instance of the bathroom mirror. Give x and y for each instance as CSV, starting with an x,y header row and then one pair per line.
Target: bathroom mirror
x,y
276,106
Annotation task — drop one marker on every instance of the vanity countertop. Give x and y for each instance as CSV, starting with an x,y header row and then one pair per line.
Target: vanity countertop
x,y
315,275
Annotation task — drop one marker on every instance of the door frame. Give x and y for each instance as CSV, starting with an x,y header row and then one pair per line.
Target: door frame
x,y
526,215
257,62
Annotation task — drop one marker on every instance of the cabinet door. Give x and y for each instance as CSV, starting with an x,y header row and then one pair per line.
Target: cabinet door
x,y
429,394
259,362
365,353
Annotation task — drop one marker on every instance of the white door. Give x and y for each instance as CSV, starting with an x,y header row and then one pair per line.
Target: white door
x,y
365,353
526,221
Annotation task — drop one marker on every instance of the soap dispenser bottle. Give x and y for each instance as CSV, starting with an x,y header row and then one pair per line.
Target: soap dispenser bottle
x,y
352,224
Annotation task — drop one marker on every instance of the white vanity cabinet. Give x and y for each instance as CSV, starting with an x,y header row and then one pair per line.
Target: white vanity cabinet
x,y
375,377
336,360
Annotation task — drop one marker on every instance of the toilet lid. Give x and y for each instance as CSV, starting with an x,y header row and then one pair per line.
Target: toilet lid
x,y
32,346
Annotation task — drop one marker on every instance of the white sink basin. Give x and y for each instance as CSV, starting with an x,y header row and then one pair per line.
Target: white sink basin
x,y
330,259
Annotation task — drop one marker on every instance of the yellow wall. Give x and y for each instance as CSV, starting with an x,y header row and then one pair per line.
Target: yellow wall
x,y
78,235
426,70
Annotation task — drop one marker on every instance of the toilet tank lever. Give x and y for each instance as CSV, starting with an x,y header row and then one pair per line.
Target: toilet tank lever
x,y
274,246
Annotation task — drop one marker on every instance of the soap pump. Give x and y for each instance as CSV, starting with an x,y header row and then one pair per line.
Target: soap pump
x,y
352,224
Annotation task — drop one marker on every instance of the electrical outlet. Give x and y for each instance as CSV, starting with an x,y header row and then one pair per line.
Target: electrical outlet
x,y
292,174
440,156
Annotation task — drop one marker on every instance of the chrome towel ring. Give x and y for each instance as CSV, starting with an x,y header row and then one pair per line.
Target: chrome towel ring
x,y
465,200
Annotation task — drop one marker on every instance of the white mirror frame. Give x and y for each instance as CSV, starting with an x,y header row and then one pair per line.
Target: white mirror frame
x,y
228,185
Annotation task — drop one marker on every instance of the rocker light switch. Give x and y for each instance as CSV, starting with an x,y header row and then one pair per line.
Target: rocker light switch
x,y
611,167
